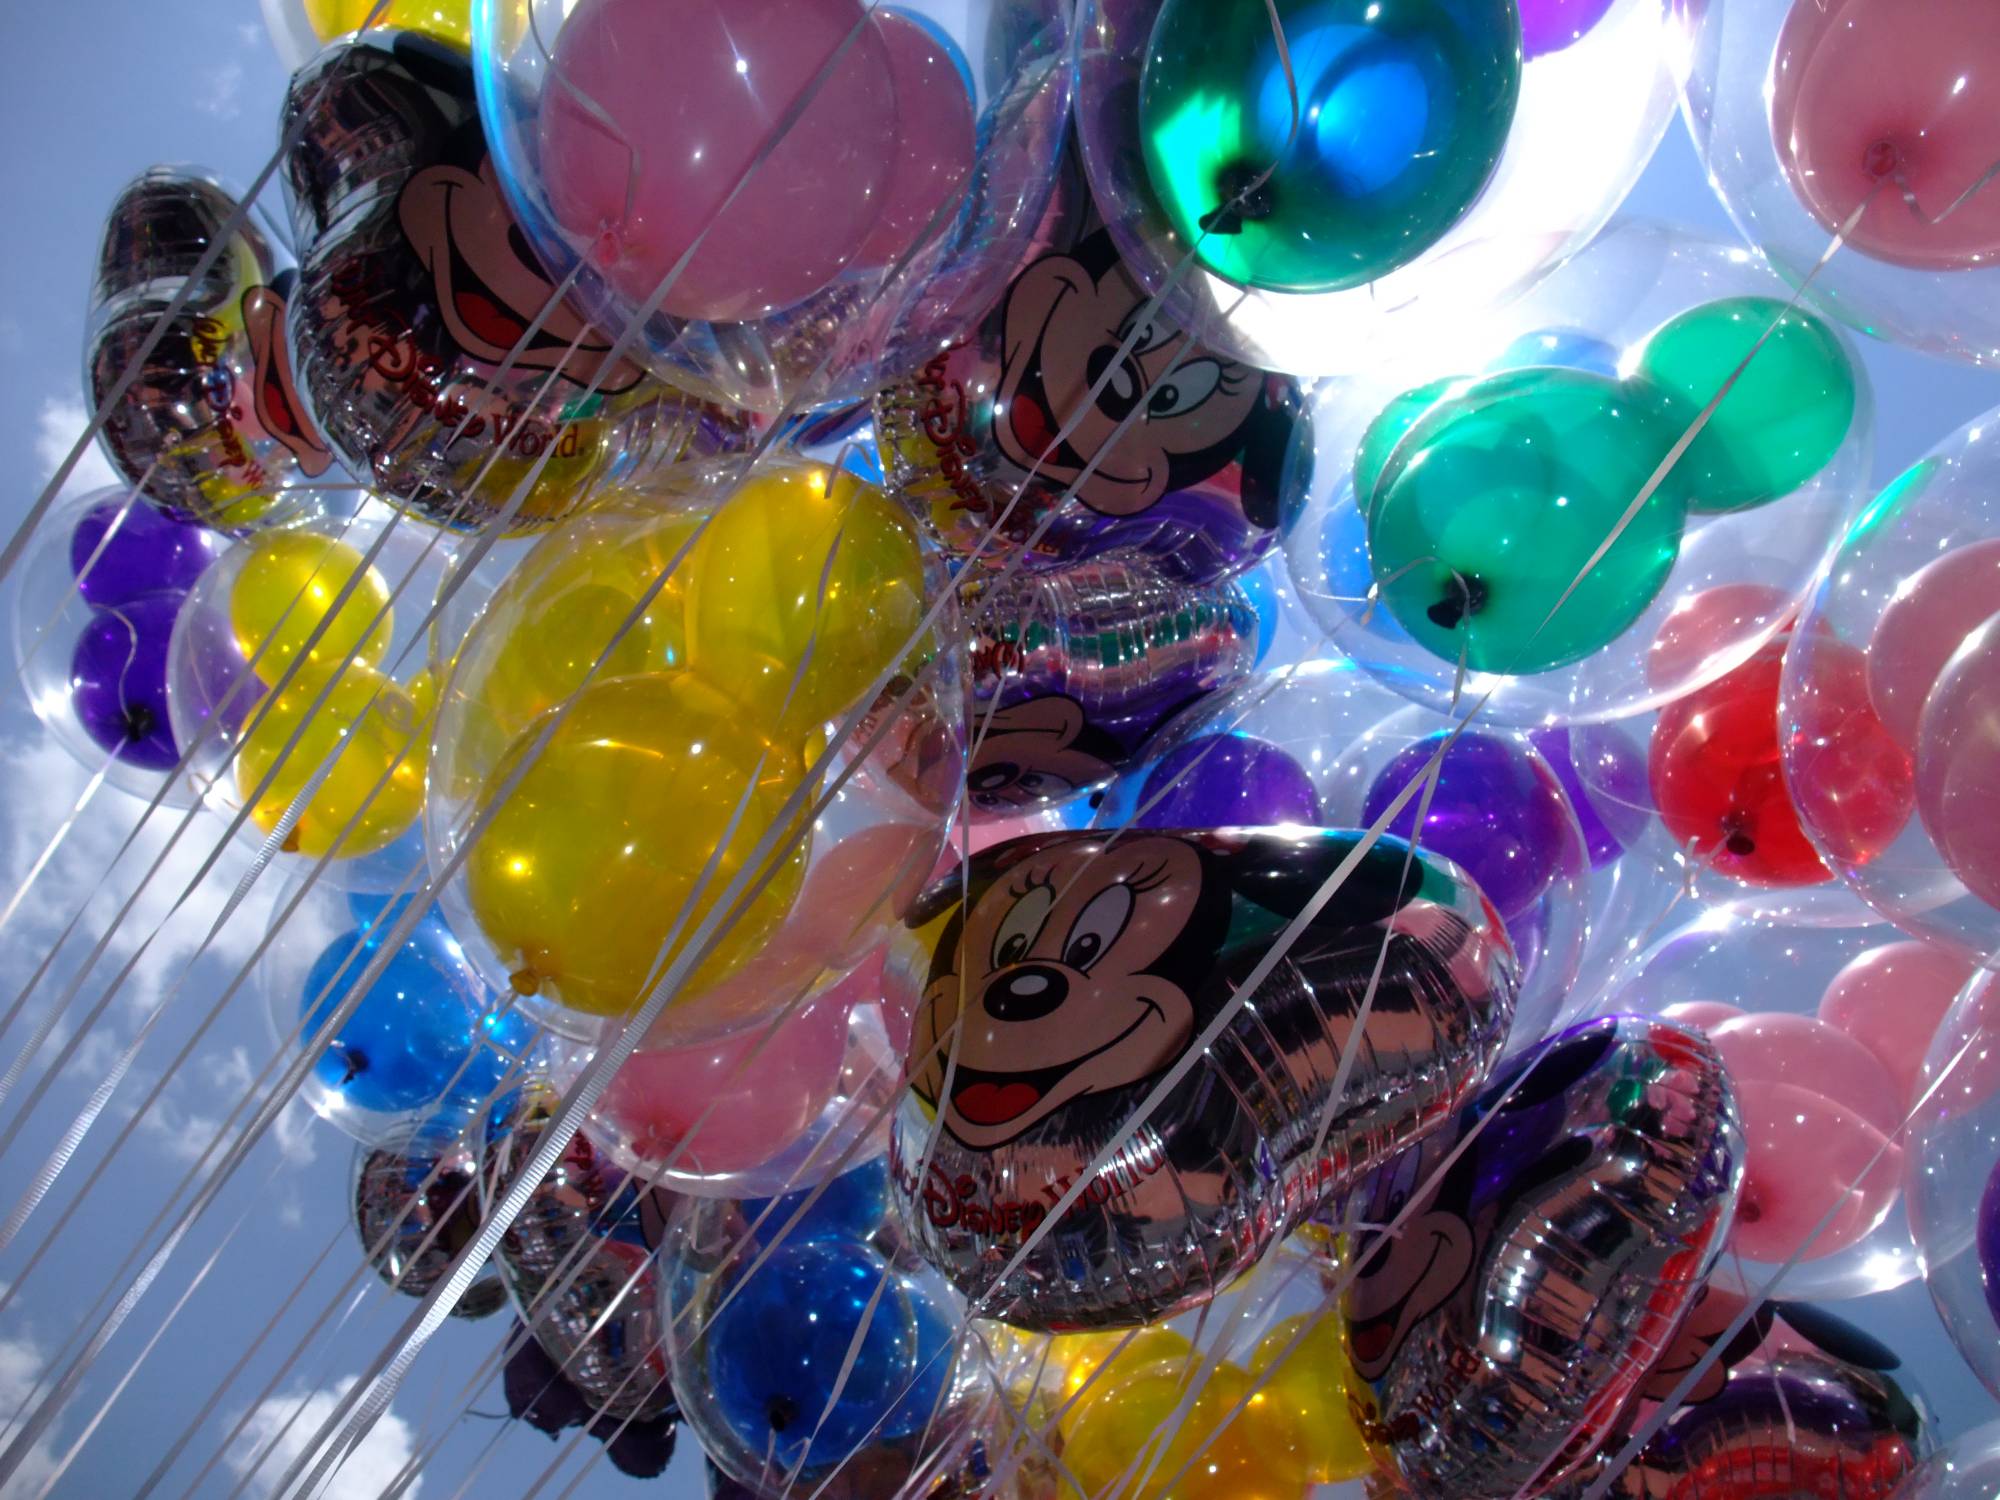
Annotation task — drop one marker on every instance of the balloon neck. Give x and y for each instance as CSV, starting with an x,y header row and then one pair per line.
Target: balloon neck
x,y
782,1413
1468,599
1245,190
291,843
1737,839
139,723
1882,160
524,981
356,1063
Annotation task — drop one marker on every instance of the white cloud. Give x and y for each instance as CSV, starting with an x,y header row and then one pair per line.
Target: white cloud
x,y
222,97
21,1365
58,424
190,1114
369,1470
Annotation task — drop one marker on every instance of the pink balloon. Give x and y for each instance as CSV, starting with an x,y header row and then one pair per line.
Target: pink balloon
x,y
1891,999
1703,1015
1805,1053
1710,623
655,111
1897,101
756,1105
1958,763
1927,619
1803,1153
936,137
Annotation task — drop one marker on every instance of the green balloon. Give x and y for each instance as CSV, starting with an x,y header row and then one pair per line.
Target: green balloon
x,y
1403,105
1496,500
1783,420
1391,423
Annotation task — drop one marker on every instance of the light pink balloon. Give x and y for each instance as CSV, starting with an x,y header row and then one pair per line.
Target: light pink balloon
x,y
756,1105
655,111
1932,613
1803,1152
1958,763
1703,1015
935,135
1890,999
1884,102
1805,1053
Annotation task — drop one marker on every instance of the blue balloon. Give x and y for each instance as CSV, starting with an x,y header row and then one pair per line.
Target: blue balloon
x,y
1349,574
424,1036
1570,348
852,1207
775,1350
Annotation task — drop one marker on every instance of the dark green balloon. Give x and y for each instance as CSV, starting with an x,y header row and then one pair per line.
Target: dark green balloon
x,y
1783,420
1404,106
1390,426
1496,499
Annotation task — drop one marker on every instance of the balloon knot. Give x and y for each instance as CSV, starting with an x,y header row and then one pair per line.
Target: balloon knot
x,y
1244,199
291,843
1470,599
524,981
139,723
1882,159
782,1413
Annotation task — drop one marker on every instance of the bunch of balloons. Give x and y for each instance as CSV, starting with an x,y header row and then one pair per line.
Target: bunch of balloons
x,y
1054,750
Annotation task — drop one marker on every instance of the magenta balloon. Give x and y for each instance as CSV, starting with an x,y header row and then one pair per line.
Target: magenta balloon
x,y
1891,999
657,110
1773,1047
935,134
1958,763
1928,618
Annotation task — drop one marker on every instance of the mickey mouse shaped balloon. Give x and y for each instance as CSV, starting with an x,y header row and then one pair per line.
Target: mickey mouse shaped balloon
x,y
435,353
1507,1320
1183,453
211,426
1078,969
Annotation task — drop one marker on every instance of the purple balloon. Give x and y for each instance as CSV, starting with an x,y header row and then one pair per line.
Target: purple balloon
x,y
1492,813
118,680
1551,25
1615,815
151,553
1227,781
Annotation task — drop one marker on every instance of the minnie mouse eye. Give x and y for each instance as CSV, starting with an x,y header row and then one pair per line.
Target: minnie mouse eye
x,y
1187,388
1097,926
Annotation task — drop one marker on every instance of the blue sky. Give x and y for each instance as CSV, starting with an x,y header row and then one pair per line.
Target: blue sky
x,y
90,94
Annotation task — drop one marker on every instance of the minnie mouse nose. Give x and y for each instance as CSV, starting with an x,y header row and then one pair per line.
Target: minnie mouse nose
x,y
1026,993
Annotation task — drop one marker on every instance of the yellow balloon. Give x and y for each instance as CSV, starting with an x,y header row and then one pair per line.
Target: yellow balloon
x,y
1307,1397
448,20
287,584
1138,1417
1080,1355
579,878
803,557
369,721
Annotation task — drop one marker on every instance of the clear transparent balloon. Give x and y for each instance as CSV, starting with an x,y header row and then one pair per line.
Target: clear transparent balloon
x,y
95,597
720,633
1904,607
1589,116
870,174
1803,111
303,674
1819,1098
1325,743
1968,1468
886,1384
423,1051
1953,1177
1593,317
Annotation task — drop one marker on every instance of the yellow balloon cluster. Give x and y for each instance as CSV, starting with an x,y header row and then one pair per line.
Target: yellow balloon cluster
x,y
628,783
1269,1432
337,706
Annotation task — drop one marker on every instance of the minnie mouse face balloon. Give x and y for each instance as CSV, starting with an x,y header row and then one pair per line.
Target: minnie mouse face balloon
x,y
1199,478
1079,969
1520,1304
212,427
437,356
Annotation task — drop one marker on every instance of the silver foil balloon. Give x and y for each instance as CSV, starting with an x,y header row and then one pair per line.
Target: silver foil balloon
x,y
1541,1273
415,1208
428,341
604,1329
1074,669
1079,968
212,424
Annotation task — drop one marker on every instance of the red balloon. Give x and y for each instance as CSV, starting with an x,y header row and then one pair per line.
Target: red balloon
x,y
1852,780
1713,765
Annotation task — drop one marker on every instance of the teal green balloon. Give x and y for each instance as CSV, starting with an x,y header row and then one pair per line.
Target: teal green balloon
x,y
1392,423
1404,106
1497,499
1783,420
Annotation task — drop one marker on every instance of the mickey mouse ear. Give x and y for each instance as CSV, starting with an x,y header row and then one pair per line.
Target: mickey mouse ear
x,y
1837,1337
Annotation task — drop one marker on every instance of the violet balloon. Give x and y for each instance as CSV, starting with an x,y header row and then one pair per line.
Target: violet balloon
x,y
1551,25
1491,812
1616,816
1226,781
148,552
118,680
